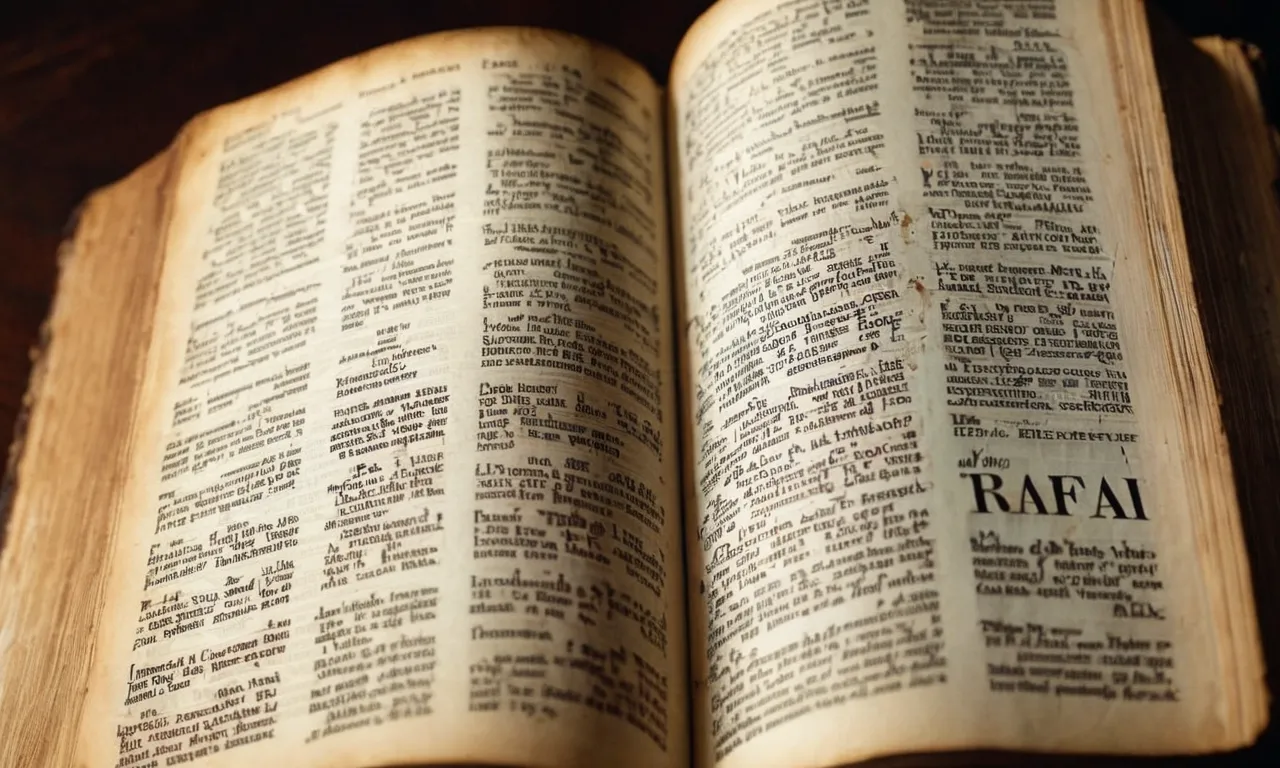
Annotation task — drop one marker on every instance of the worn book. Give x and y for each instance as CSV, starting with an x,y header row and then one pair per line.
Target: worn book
x,y
478,400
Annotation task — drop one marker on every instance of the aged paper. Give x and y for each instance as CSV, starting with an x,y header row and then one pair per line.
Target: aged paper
x,y
408,470
932,498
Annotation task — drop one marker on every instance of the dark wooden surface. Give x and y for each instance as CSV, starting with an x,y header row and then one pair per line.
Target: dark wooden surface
x,y
90,90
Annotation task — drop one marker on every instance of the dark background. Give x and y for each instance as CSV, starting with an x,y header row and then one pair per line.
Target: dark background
x,y
90,90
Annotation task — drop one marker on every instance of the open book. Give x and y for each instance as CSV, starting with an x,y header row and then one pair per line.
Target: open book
x,y
476,400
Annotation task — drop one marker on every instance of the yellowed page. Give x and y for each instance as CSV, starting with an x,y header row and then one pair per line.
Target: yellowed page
x,y
955,470
406,489
69,458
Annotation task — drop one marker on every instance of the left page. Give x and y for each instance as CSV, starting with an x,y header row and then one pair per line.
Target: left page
x,y
404,470
66,457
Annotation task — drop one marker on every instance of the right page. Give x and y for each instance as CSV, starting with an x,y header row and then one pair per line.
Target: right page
x,y
957,478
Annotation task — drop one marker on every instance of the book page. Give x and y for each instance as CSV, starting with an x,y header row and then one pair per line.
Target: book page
x,y
941,493
68,454
407,478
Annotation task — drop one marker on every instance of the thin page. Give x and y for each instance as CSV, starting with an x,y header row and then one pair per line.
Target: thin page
x,y
942,494
406,472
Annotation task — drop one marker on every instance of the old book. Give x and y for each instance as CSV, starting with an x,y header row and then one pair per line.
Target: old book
x,y
477,400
